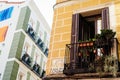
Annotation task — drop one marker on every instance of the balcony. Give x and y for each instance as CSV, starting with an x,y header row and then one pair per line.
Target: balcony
x,y
36,69
37,40
90,56
26,60
43,73
31,32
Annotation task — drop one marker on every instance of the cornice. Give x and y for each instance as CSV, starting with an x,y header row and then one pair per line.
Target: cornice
x,y
7,2
66,3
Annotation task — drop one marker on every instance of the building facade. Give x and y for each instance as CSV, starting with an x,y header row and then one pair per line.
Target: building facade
x,y
24,41
77,22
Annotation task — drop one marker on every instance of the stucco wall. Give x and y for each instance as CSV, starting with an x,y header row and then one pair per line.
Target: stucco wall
x,y
117,14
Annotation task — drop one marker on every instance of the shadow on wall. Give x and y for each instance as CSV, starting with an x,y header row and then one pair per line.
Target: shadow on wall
x,y
0,75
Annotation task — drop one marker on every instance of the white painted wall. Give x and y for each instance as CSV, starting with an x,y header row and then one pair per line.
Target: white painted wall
x,y
5,45
12,23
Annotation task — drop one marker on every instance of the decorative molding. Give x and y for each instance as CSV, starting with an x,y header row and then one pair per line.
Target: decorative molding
x,y
8,2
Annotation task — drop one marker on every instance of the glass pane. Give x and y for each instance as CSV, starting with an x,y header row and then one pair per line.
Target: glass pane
x,y
99,26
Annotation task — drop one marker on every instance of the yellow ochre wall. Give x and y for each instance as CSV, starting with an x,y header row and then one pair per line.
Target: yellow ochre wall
x,y
61,28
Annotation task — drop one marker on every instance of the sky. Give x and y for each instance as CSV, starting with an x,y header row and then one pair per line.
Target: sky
x,y
46,8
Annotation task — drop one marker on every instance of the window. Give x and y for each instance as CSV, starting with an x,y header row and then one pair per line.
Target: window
x,y
86,25
20,76
37,58
27,48
41,60
89,27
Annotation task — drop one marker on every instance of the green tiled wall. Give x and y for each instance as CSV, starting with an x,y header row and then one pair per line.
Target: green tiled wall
x,y
17,45
11,71
24,18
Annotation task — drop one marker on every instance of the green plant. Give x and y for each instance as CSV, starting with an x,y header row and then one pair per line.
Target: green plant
x,y
80,41
90,39
107,33
97,36
107,64
91,67
93,39
111,65
105,38
99,66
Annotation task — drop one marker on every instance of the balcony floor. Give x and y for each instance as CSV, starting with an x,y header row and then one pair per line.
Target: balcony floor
x,y
83,76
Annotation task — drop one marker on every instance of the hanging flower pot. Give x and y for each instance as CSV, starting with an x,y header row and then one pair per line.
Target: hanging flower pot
x,y
91,43
81,45
88,44
94,51
84,44
79,54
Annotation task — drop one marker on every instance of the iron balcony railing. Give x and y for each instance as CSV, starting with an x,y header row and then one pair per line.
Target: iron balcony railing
x,y
37,40
86,57
26,60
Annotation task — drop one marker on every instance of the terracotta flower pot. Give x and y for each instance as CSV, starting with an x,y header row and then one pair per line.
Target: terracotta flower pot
x,y
95,51
84,44
81,45
91,43
88,44
80,54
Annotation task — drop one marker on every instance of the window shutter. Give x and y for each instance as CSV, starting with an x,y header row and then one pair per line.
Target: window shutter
x,y
74,37
105,18
75,28
96,27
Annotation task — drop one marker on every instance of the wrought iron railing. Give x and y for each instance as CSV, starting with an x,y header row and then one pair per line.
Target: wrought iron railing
x,y
26,60
87,56
37,40
36,69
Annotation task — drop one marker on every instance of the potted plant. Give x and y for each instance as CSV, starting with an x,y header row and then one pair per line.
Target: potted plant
x,y
88,44
107,34
111,65
105,37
